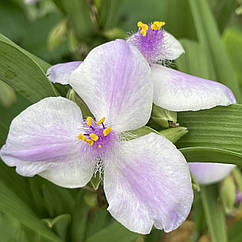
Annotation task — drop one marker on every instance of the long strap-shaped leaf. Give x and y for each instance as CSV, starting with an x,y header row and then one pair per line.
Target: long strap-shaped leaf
x,y
209,37
22,73
214,135
214,213
12,205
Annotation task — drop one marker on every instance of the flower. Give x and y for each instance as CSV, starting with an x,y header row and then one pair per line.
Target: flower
x,y
177,91
146,180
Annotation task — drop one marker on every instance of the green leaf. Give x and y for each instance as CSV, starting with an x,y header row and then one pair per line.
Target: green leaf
x,y
214,213
174,134
60,225
235,232
217,131
15,207
232,39
212,45
114,232
23,74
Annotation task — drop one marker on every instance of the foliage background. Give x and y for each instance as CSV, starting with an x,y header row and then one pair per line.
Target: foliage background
x,y
35,36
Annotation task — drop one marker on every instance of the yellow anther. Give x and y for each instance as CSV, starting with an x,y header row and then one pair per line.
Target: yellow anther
x,y
99,146
140,24
145,27
143,32
89,121
89,141
107,131
82,137
101,121
157,25
93,136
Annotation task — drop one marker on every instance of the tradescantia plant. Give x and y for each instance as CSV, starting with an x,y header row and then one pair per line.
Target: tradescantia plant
x,y
118,81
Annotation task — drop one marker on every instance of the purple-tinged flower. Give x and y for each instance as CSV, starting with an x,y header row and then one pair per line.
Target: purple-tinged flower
x,y
177,91
146,180
174,90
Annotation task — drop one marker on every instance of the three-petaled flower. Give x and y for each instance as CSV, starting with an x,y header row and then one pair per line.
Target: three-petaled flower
x,y
146,180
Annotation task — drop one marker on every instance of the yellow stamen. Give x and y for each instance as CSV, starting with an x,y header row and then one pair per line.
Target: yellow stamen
x,y
140,24
89,141
99,146
89,121
93,136
157,25
82,137
101,121
143,32
107,131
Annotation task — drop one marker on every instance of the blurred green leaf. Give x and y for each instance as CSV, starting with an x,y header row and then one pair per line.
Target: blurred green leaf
x,y
235,232
79,13
212,45
12,205
60,225
114,232
79,219
223,10
232,39
218,128
174,134
23,74
214,213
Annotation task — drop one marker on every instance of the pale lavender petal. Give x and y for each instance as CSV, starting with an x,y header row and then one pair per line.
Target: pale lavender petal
x,y
207,173
60,73
148,183
44,137
178,91
157,45
114,82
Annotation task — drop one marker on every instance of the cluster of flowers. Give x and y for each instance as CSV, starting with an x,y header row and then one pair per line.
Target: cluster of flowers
x,y
146,180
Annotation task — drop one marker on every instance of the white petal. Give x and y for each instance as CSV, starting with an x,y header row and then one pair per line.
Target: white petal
x,y
148,183
178,91
44,137
114,82
60,73
171,47
207,173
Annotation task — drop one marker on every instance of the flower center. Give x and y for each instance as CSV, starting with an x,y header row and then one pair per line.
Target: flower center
x,y
96,134
149,40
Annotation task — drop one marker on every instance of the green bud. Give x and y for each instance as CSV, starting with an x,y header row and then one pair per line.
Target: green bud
x,y
58,35
7,95
174,134
72,95
115,33
228,193
163,117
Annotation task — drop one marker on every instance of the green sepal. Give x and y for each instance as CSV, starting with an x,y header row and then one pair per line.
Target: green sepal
x,y
133,134
195,184
73,96
95,181
174,134
163,117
